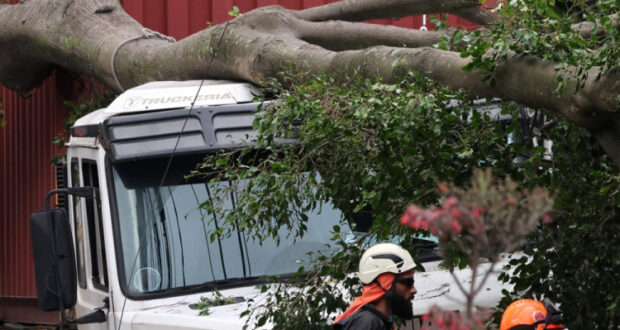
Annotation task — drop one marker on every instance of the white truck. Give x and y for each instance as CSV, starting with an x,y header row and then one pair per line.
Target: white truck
x,y
133,251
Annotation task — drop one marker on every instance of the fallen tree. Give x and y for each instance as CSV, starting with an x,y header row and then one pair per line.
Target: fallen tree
x,y
100,39
380,148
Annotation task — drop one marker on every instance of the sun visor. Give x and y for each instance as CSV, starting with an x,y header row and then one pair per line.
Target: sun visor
x,y
156,134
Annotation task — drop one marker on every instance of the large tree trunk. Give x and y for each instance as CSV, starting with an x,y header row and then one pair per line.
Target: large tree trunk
x,y
98,38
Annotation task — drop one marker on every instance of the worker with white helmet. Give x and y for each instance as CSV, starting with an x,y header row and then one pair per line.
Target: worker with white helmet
x,y
386,270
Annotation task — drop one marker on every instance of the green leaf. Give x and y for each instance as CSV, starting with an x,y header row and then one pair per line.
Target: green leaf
x,y
234,12
465,153
261,321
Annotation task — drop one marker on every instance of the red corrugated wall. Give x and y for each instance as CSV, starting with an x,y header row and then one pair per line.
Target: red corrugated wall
x,y
179,18
32,122
25,154
26,176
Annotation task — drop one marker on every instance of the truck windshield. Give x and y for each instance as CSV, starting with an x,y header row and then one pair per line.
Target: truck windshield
x,y
165,236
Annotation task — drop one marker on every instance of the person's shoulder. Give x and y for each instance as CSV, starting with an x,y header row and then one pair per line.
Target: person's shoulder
x,y
362,320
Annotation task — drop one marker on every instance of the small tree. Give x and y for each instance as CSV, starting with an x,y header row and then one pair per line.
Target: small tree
x,y
479,224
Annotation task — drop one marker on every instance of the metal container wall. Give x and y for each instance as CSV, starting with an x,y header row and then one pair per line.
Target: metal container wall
x,y
27,176
180,18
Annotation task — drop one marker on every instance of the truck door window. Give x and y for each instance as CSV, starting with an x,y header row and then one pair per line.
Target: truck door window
x,y
78,225
95,228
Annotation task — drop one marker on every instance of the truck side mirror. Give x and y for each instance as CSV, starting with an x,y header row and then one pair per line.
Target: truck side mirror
x,y
52,247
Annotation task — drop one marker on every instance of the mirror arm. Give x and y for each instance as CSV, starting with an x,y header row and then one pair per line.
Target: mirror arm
x,y
87,192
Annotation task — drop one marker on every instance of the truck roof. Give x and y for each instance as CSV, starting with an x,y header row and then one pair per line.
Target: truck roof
x,y
161,95
200,116
180,117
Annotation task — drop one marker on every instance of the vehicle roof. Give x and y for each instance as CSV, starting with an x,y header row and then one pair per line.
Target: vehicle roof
x,y
160,95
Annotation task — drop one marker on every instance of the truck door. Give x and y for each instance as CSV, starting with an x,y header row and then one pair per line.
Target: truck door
x,y
91,265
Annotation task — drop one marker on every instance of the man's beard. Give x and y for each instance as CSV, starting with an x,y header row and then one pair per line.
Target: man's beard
x,y
401,307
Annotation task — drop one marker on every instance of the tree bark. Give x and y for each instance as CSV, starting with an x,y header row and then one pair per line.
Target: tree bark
x,y
98,38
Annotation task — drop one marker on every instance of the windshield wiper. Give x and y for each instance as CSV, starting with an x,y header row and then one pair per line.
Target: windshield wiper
x,y
212,285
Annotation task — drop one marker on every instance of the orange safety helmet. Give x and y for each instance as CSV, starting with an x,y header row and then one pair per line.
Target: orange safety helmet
x,y
528,314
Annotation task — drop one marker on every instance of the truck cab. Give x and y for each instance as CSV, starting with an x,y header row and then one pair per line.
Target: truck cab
x,y
136,251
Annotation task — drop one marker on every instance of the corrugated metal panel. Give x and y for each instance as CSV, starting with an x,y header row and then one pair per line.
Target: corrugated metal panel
x,y
180,18
25,154
25,143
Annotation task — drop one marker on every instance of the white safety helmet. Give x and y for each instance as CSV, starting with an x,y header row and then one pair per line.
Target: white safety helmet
x,y
384,258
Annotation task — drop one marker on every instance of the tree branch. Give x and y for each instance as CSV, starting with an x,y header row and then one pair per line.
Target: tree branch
x,y
458,283
82,37
351,36
475,15
585,28
532,81
484,279
609,138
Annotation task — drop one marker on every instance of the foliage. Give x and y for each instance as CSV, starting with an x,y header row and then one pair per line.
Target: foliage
x,y
586,182
377,148
546,29
235,12
490,218
218,300
484,221
305,300
576,263
77,110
